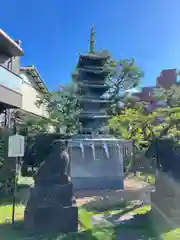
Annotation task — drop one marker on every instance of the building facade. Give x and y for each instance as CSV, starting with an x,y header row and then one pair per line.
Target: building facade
x,y
19,86
32,88
10,81
167,78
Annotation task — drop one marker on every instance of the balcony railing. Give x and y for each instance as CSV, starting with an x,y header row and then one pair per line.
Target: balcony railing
x,y
10,79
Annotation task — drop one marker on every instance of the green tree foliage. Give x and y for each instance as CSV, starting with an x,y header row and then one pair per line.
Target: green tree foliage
x,y
124,75
62,108
170,113
142,123
7,165
35,126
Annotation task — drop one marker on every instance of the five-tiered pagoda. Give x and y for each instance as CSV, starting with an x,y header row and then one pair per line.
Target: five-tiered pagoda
x,y
92,85
96,157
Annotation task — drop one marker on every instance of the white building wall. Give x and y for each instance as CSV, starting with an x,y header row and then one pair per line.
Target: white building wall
x,y
30,93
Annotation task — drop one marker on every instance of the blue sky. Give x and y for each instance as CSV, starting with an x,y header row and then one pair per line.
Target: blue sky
x,y
54,32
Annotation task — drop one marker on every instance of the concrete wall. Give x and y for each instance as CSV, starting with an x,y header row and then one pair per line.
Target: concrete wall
x,y
10,84
30,93
11,63
10,97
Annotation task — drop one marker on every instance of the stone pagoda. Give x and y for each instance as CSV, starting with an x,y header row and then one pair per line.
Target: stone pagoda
x,y
92,86
96,158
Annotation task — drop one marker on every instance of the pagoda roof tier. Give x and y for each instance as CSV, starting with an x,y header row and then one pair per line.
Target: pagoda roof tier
x,y
94,116
85,129
95,70
92,85
101,111
95,81
94,100
92,68
93,56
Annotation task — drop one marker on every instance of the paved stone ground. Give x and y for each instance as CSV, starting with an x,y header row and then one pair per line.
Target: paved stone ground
x,y
133,190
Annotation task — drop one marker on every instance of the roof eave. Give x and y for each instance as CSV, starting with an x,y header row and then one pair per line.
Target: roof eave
x,y
94,56
31,69
13,47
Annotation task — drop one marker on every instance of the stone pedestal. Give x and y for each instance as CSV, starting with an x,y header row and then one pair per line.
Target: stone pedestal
x,y
51,206
97,163
51,209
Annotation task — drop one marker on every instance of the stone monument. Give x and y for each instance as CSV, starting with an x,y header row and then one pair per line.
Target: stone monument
x,y
51,206
96,156
166,197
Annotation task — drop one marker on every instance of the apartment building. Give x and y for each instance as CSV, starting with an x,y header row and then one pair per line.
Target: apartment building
x,y
10,81
167,78
19,86
32,87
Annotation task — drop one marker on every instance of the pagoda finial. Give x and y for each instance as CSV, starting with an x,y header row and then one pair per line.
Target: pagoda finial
x,y
91,41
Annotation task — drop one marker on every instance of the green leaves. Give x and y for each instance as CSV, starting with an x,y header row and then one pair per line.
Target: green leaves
x,y
127,124
136,121
62,109
171,95
124,75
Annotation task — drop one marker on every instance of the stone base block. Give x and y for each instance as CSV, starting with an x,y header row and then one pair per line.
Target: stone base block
x,y
51,219
98,183
51,195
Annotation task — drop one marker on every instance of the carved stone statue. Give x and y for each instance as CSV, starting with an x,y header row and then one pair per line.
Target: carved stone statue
x,y
51,206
